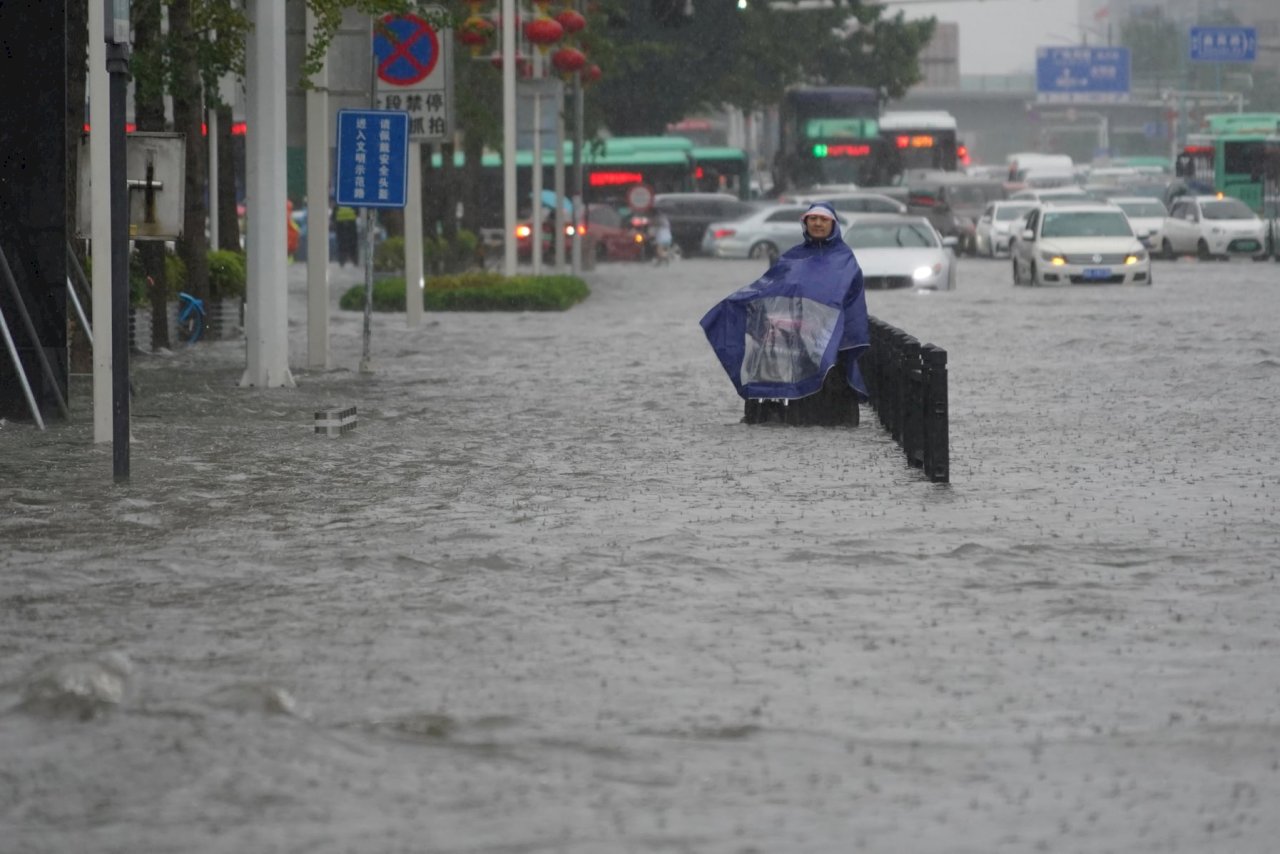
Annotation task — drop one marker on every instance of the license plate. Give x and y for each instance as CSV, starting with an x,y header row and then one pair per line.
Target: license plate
x,y
1246,245
1097,273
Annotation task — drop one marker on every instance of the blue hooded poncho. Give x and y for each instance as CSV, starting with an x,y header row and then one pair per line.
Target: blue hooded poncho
x,y
780,335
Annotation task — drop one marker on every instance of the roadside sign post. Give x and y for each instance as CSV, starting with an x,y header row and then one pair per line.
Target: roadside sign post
x,y
372,172
413,69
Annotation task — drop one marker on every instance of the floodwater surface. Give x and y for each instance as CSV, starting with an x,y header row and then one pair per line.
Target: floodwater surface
x,y
552,596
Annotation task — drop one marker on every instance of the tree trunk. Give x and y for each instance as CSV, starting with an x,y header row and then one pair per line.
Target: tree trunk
x,y
149,115
188,118
228,217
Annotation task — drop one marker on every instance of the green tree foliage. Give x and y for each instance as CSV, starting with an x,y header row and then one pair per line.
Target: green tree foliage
x,y
746,58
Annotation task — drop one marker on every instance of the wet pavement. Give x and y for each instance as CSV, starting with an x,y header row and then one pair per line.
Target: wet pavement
x,y
551,596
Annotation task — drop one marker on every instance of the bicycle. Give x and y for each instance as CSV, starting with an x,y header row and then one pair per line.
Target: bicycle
x,y
190,317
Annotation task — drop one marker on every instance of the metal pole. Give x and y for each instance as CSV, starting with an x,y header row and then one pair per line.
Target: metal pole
x,y
22,374
118,69
579,212
36,345
318,133
366,361
535,239
212,120
84,321
413,273
559,179
509,137
100,200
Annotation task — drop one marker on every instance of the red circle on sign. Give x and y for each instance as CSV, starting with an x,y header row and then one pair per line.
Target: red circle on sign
x,y
640,198
406,48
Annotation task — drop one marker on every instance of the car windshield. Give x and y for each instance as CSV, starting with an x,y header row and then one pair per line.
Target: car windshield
x,y
1086,224
1143,208
883,235
1226,209
1004,213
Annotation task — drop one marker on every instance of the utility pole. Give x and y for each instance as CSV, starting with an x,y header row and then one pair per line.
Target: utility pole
x,y
116,37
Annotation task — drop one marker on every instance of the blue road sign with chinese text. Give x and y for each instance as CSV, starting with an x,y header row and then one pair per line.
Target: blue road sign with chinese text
x,y
1082,74
1224,44
372,158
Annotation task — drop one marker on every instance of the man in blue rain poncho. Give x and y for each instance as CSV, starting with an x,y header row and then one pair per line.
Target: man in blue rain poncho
x,y
790,340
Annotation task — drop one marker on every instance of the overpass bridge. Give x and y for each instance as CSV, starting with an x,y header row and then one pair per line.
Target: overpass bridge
x,y
997,121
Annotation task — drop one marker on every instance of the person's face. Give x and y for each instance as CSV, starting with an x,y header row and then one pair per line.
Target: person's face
x,y
819,227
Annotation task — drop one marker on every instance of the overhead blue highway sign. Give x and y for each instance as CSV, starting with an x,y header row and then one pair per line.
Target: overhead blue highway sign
x,y
1082,74
1224,44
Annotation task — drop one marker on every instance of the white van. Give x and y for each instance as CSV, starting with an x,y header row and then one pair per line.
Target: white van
x,y
1026,161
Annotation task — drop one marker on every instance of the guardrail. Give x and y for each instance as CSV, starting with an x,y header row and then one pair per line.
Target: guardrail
x,y
907,382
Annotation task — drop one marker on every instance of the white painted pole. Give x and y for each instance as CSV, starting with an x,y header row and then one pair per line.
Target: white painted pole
x,y
266,310
413,282
509,137
535,239
212,123
317,212
559,181
100,202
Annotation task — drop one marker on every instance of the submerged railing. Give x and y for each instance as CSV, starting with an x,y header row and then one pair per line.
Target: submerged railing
x,y
907,382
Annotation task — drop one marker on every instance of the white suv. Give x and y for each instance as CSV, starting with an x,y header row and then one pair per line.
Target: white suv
x,y
1213,227
1078,244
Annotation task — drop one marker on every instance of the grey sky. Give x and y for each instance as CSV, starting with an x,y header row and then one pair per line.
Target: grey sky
x,y
1000,36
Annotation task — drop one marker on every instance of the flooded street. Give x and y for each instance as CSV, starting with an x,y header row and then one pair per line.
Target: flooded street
x,y
551,596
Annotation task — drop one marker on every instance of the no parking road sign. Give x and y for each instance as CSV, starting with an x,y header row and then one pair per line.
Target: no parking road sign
x,y
414,65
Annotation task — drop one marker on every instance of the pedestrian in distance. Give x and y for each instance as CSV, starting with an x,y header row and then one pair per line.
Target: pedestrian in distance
x,y
790,340
660,234
344,225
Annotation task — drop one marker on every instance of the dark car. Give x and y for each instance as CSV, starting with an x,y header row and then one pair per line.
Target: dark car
x,y
954,204
691,213
605,233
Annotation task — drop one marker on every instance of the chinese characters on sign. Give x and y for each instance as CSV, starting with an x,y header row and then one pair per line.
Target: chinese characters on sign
x,y
414,71
372,157
1224,44
427,113
1082,74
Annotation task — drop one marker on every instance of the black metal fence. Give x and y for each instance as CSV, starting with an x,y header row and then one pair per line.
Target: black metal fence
x,y
907,382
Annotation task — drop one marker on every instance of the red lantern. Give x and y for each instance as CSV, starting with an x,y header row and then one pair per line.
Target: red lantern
x,y
572,21
543,32
591,73
568,60
475,33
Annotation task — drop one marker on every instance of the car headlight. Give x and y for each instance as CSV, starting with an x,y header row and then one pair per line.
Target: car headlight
x,y
1135,257
1215,230
1053,258
926,272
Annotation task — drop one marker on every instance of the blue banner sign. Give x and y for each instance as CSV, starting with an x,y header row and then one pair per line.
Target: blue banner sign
x,y
1224,44
373,157
1082,74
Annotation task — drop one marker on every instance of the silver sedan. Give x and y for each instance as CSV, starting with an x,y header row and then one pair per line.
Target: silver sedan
x,y
766,233
901,252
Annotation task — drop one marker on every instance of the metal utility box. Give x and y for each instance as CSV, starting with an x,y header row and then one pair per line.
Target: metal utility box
x,y
156,169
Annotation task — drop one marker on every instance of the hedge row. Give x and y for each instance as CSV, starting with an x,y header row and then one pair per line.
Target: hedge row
x,y
476,291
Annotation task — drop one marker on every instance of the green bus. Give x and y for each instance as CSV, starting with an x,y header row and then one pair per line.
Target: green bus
x,y
610,168
1237,154
722,169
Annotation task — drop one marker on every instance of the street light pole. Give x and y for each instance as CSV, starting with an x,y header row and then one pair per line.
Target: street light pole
x,y
116,36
